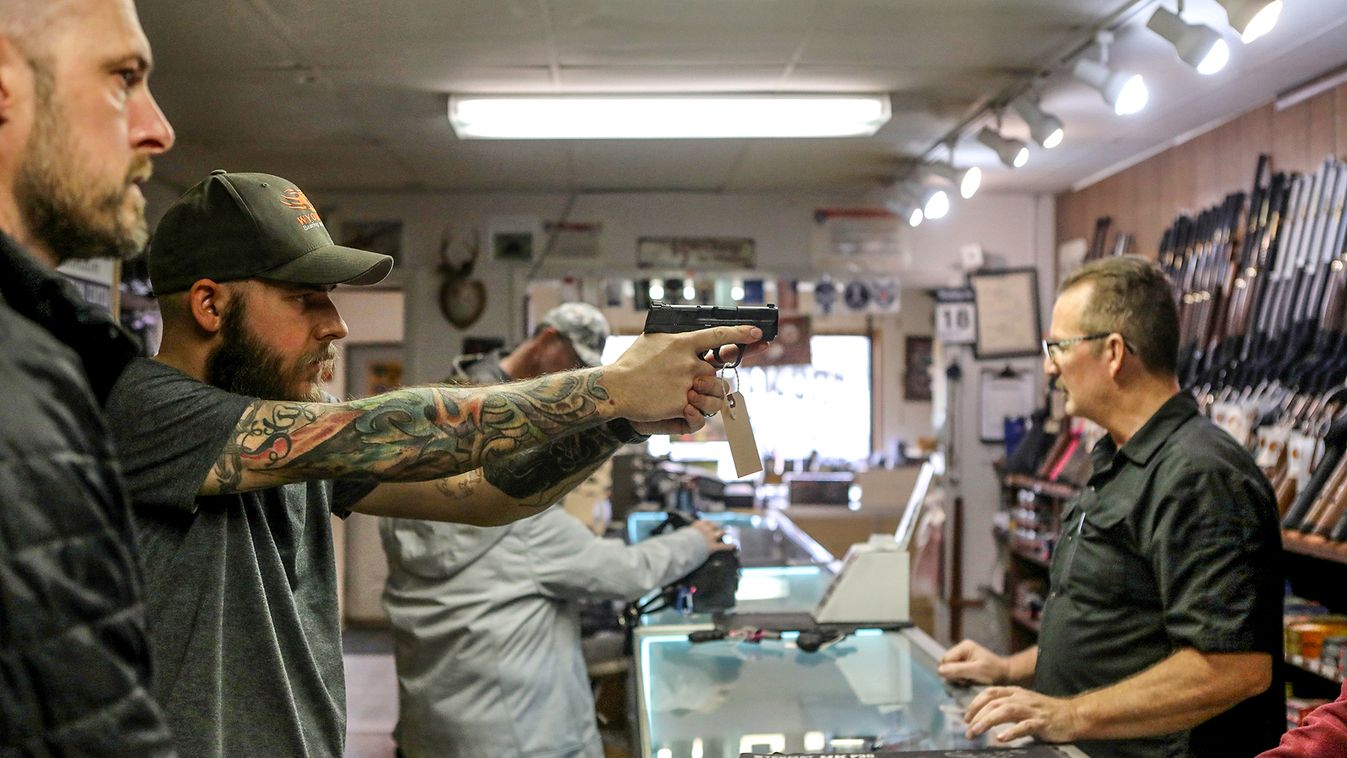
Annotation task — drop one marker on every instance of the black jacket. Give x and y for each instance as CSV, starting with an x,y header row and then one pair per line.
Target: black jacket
x,y
74,660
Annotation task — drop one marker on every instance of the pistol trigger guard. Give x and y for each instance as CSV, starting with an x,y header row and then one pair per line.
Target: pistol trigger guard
x,y
718,362
738,358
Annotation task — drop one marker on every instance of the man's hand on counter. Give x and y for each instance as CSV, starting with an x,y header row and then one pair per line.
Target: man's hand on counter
x,y
970,662
1048,719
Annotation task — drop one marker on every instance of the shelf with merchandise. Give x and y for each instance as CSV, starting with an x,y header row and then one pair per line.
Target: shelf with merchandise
x,y
1056,490
1316,667
1294,541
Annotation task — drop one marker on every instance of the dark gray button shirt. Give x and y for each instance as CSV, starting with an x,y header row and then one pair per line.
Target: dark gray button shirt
x,y
1173,544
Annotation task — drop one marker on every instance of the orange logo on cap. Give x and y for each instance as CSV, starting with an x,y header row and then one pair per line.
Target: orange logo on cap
x,y
295,198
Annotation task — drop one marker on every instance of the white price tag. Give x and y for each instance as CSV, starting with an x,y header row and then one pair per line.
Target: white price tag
x,y
739,431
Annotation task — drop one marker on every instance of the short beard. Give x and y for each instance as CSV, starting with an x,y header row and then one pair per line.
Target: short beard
x,y
68,214
244,366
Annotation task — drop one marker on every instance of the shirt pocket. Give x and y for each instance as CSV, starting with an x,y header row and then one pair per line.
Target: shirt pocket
x,y
1102,567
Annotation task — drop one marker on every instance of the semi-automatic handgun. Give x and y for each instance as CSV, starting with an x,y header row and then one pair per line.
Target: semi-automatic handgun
x,y
664,318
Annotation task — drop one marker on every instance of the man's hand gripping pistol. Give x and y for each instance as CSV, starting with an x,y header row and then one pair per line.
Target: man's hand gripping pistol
x,y
672,319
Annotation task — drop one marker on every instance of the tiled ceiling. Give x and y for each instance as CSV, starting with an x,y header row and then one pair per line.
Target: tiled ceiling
x,y
345,95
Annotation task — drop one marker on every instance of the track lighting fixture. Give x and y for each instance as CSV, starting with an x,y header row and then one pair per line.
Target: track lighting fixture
x,y
1251,18
1198,45
1045,128
968,180
1125,92
908,203
906,211
1012,152
934,203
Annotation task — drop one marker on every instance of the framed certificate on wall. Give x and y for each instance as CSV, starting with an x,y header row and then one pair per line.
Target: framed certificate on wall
x,y
1008,324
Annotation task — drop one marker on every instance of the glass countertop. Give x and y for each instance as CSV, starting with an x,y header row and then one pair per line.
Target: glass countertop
x,y
764,539
765,589
718,699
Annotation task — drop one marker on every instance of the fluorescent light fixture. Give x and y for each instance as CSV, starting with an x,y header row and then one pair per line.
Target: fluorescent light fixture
x,y
1251,18
814,742
1198,45
1012,152
737,291
968,180
1126,93
656,289
666,116
689,290
1045,128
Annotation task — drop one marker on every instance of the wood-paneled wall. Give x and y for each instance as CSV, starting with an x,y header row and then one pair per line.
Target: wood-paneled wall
x,y
1145,198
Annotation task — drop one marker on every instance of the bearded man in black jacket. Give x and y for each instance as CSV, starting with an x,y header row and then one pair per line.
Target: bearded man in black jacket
x,y
78,128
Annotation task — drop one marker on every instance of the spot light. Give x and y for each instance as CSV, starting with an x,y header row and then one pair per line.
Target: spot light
x,y
935,204
1045,128
910,213
1198,45
1125,92
1012,152
968,180
1251,18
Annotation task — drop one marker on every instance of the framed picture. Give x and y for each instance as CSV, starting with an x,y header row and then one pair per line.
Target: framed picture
x,y
696,252
373,368
573,241
1008,323
513,239
917,368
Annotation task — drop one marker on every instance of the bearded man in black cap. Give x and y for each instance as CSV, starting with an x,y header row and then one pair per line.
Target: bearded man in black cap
x,y
235,458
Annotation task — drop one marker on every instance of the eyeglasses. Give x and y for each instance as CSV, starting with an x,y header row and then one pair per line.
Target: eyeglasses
x,y
1054,348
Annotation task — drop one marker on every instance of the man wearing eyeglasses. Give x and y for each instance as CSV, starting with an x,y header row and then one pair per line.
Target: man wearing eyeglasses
x,y
1165,603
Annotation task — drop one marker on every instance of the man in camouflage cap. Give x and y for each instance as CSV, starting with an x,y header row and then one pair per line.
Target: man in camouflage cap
x,y
569,336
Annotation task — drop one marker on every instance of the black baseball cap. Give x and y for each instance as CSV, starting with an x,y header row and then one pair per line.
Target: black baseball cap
x,y
243,226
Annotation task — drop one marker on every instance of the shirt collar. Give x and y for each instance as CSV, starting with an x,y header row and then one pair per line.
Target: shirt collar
x,y
51,301
1158,428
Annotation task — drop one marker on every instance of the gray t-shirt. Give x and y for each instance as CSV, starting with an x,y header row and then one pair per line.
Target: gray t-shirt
x,y
241,590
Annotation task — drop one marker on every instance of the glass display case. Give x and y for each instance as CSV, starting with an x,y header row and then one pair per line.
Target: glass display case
x,y
718,699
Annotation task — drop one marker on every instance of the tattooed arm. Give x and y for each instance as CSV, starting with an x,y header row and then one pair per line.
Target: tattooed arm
x,y
426,433
505,490
406,435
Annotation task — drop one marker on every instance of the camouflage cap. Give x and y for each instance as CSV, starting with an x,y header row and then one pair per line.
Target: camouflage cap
x,y
583,326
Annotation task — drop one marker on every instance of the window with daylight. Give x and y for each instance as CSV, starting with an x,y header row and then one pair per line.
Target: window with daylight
x,y
796,410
